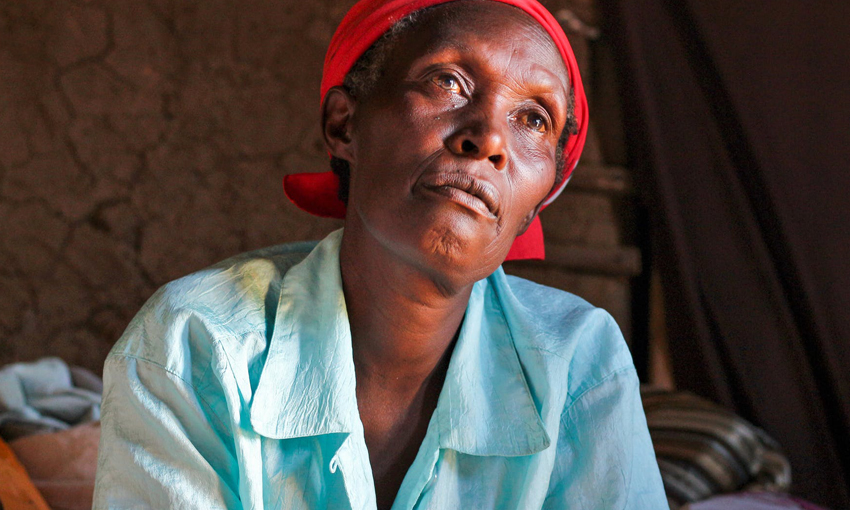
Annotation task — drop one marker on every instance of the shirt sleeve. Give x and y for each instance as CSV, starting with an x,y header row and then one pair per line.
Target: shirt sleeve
x,y
160,445
605,459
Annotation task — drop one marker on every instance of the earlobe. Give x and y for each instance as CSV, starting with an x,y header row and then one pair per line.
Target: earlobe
x,y
337,112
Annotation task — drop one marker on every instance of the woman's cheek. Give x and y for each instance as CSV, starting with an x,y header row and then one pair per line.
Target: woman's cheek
x,y
537,177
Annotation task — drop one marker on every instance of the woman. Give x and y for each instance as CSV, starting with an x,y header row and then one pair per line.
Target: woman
x,y
394,364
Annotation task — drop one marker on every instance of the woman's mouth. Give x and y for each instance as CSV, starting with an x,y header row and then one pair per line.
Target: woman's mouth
x,y
463,189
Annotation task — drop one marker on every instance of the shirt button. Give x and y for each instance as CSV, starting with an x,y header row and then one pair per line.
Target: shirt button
x,y
432,480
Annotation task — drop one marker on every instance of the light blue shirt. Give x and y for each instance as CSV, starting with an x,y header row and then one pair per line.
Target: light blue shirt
x,y
234,388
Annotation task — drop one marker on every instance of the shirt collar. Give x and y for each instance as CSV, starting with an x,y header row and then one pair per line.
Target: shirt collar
x,y
307,384
307,387
486,407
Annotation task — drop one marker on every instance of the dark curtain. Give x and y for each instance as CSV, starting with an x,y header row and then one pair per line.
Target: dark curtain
x,y
738,116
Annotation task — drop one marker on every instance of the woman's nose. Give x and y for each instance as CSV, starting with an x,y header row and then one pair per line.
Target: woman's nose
x,y
480,138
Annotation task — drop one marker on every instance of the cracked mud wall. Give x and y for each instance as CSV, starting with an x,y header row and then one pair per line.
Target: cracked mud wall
x,y
141,141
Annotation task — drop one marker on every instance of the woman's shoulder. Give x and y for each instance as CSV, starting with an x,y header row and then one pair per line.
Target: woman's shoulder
x,y
240,285
225,307
548,300
566,333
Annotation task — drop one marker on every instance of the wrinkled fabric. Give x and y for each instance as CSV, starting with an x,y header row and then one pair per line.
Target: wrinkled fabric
x,y
46,396
234,388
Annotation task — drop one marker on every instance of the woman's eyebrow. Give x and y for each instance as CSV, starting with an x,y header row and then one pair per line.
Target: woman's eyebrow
x,y
546,88
445,52
447,55
444,43
545,78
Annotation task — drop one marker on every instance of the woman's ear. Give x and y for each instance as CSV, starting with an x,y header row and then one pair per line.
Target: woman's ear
x,y
337,112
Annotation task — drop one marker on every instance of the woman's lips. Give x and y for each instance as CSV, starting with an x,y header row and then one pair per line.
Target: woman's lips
x,y
465,190
462,198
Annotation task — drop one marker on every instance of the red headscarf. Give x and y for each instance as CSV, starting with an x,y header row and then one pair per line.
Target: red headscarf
x,y
367,21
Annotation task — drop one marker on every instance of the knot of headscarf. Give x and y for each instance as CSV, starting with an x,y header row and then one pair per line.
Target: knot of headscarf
x,y
365,23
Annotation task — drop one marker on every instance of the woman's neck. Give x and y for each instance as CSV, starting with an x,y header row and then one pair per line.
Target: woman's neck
x,y
403,327
402,320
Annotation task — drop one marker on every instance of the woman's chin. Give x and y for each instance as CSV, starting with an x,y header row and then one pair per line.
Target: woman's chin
x,y
446,243
461,254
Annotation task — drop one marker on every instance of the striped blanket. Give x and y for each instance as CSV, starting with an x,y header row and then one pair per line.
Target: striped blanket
x,y
704,449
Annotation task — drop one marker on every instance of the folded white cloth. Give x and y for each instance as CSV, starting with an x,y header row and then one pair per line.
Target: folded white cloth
x,y
46,396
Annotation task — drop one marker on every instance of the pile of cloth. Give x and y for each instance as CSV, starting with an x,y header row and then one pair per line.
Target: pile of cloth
x,y
49,432
712,459
46,396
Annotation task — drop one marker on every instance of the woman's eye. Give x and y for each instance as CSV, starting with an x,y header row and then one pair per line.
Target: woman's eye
x,y
536,122
447,82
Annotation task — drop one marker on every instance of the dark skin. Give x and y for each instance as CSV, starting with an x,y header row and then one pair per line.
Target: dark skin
x,y
451,157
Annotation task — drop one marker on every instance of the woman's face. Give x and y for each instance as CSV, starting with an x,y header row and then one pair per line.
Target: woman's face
x,y
455,149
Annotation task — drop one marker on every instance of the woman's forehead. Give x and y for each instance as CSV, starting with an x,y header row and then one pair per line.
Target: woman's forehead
x,y
477,12
481,18
474,29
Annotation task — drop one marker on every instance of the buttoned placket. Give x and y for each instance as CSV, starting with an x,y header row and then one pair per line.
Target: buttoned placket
x,y
413,493
352,462
335,465
429,481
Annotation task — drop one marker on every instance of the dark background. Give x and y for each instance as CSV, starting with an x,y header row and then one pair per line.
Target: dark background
x,y
739,123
